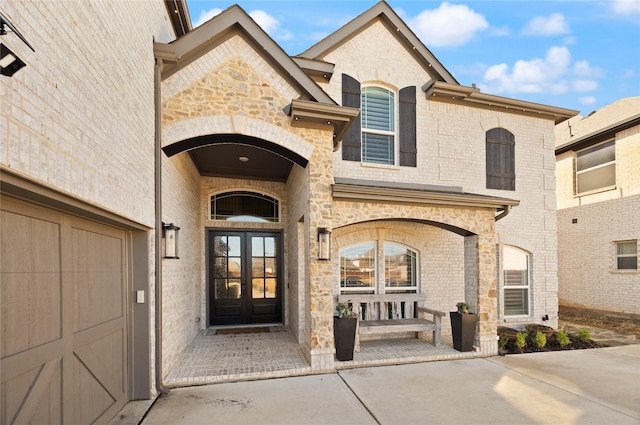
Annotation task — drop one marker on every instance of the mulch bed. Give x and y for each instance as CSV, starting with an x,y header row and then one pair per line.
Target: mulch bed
x,y
552,345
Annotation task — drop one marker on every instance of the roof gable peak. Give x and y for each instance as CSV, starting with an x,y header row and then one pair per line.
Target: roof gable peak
x,y
397,27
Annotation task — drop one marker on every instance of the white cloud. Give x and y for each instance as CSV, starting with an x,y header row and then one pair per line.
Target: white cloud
x,y
500,31
584,85
267,22
625,7
448,25
546,75
628,73
553,74
587,100
554,24
205,15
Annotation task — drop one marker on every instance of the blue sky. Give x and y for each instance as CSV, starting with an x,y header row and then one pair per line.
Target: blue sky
x,y
573,54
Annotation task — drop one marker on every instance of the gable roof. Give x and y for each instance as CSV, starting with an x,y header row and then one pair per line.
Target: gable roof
x,y
384,13
313,107
196,43
603,124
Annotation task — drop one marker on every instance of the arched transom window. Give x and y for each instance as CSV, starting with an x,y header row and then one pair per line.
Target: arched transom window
x,y
245,206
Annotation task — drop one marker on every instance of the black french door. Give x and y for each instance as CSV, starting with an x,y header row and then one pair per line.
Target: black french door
x,y
245,277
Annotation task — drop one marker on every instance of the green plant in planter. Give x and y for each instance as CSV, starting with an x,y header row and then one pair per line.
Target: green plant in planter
x,y
562,338
464,308
539,340
345,311
521,340
584,335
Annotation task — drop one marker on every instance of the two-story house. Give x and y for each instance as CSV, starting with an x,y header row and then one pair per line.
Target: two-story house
x,y
360,165
598,190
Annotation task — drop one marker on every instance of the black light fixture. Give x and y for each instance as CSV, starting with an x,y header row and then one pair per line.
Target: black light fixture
x,y
10,63
324,243
170,240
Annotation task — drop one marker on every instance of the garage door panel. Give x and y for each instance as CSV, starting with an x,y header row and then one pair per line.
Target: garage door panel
x,y
34,242
32,317
35,396
98,266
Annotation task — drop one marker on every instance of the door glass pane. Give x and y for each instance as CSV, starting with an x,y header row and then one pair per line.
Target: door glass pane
x,y
257,288
271,288
257,246
270,267
269,247
257,267
227,289
234,267
233,246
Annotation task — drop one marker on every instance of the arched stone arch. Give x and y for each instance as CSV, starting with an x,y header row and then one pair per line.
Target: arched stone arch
x,y
194,128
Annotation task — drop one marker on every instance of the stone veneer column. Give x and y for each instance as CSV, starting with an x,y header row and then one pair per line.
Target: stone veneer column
x,y
320,294
480,287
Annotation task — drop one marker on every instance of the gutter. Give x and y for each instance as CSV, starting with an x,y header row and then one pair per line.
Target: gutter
x,y
157,82
505,212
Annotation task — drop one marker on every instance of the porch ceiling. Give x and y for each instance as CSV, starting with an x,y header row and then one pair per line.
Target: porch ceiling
x,y
224,160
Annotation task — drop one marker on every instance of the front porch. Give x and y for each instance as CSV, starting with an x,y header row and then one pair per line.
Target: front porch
x,y
215,358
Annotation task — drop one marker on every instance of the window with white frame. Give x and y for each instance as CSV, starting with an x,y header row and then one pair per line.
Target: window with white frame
x,y
378,125
517,281
596,168
400,268
244,206
359,271
627,255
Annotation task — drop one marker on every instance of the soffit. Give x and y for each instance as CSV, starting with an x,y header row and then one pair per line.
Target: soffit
x,y
392,192
471,96
384,13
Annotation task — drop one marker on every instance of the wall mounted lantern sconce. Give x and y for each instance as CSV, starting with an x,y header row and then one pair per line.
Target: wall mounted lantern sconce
x,y
10,63
324,243
170,240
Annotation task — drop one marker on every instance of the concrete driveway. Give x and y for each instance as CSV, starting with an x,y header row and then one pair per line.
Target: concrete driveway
x,y
596,386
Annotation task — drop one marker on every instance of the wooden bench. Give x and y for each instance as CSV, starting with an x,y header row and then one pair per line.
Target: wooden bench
x,y
393,313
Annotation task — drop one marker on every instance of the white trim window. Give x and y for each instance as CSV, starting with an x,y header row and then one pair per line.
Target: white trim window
x,y
596,168
378,125
359,268
627,255
517,281
400,269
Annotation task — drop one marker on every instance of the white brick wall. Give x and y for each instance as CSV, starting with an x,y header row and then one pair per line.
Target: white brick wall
x,y
586,249
80,116
451,152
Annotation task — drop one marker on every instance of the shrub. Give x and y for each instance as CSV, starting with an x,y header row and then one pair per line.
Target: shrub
x,y
562,338
584,335
539,340
521,340
502,342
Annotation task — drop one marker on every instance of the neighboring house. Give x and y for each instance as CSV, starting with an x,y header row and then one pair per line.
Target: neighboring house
x,y
598,190
424,185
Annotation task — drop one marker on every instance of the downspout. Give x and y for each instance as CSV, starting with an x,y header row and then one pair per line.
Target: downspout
x,y
505,212
157,82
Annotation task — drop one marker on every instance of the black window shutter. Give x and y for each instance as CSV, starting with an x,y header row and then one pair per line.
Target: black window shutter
x,y
351,142
501,167
407,120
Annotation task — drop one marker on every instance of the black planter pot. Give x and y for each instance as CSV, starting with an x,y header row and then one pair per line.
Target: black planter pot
x,y
344,332
463,328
